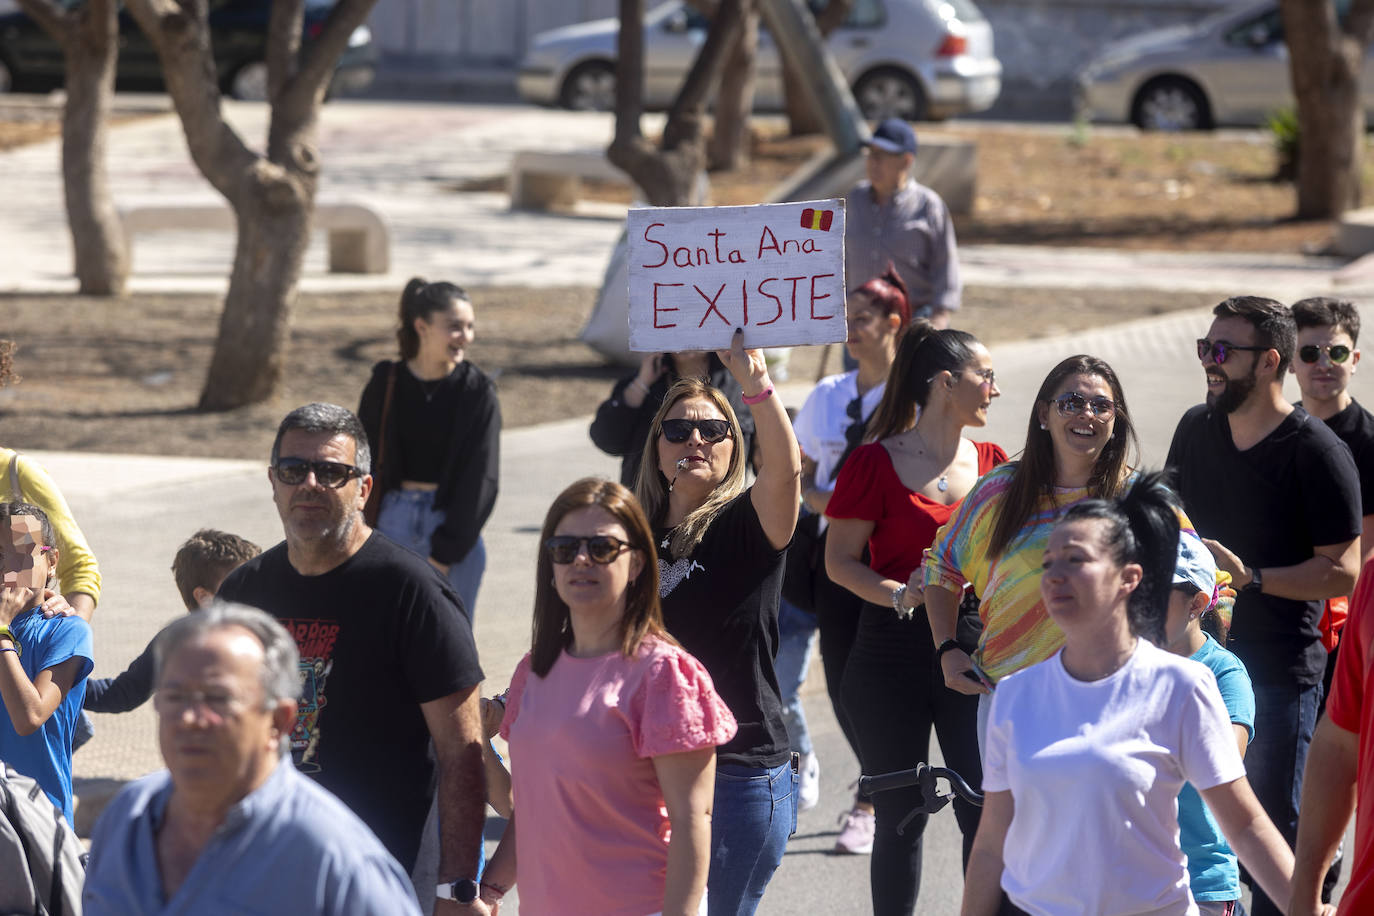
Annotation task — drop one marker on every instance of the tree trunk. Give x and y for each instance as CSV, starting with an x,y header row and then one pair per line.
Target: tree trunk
x,y
735,100
89,37
801,119
1325,57
273,196
667,176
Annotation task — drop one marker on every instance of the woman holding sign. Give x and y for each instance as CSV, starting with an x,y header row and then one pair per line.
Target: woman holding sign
x,y
721,546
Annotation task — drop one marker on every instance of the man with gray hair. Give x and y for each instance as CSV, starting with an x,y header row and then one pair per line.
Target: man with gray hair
x,y
387,660
230,824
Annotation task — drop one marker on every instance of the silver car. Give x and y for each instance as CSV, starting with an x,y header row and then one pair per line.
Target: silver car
x,y
1230,68
912,59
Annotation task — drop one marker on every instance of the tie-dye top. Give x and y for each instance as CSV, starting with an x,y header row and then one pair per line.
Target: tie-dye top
x,y
1017,630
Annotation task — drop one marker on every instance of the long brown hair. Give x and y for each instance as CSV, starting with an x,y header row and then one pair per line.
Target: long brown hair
x,y
552,630
1036,470
922,354
652,486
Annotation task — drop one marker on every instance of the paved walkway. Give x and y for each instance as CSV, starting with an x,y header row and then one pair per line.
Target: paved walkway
x,y
406,160
402,159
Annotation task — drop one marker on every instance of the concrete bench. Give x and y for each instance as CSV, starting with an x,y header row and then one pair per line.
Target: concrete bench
x,y
553,181
359,242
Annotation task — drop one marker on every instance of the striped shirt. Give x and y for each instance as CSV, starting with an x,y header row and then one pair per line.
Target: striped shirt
x,y
1017,630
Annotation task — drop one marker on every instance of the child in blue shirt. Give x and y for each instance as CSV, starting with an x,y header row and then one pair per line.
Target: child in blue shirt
x,y
1201,590
43,662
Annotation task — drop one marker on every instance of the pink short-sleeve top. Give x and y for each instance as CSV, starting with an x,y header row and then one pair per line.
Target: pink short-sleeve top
x,y
593,827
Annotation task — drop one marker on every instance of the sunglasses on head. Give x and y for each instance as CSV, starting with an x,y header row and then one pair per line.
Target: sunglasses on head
x,y
677,431
601,548
1071,404
1338,353
1220,350
331,474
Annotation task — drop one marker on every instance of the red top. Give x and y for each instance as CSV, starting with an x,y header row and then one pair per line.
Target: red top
x,y
905,522
1351,707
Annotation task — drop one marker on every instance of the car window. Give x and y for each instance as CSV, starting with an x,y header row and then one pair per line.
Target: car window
x,y
863,14
1257,31
963,10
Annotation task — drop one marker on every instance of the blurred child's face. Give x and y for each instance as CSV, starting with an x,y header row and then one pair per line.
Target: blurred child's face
x,y
25,560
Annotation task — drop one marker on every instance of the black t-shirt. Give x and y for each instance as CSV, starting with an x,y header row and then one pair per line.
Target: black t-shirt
x,y
1271,504
721,603
378,635
1355,427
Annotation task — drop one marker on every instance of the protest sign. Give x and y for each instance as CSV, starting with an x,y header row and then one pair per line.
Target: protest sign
x,y
697,273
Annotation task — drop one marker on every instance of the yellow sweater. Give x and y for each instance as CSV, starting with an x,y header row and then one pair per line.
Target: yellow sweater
x,y
75,563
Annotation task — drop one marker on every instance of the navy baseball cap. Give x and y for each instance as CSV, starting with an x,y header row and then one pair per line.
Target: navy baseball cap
x,y
893,136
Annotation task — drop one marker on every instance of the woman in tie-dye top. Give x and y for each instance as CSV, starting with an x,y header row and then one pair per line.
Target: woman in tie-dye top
x,y
1078,446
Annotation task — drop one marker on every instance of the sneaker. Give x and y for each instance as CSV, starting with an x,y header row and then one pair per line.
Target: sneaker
x,y
810,792
856,836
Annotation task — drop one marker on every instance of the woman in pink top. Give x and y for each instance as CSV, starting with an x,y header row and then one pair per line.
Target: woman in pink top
x,y
612,727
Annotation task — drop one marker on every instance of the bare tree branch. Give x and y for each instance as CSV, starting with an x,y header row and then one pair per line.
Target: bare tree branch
x,y
322,55
178,30
684,118
283,43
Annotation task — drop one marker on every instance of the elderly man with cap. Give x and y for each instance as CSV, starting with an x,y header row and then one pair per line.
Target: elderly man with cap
x,y
230,825
890,217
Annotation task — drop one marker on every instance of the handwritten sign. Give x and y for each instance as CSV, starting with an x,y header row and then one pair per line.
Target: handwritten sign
x,y
775,270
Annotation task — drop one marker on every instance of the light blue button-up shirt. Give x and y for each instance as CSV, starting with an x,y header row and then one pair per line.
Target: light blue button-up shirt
x,y
288,847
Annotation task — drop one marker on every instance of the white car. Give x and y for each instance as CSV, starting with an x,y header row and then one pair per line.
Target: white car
x,y
913,59
1229,68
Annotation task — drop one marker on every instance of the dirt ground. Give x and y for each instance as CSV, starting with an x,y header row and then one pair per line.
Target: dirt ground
x,y
124,376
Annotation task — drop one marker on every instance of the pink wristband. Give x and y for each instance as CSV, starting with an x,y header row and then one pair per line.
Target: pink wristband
x,y
759,398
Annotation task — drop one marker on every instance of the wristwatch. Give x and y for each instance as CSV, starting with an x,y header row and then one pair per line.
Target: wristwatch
x,y
7,633
464,891
1256,583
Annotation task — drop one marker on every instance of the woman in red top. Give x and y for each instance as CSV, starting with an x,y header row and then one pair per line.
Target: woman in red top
x,y
892,495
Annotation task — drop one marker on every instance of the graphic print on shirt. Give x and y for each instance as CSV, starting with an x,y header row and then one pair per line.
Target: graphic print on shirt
x,y
315,640
671,575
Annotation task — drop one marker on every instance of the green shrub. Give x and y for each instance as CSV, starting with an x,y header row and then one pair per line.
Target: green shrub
x,y
1283,124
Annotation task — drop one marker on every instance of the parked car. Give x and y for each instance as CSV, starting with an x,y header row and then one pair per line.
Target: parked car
x,y
1230,68
913,59
31,60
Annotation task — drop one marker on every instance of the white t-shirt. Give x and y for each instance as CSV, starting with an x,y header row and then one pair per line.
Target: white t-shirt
x,y
1094,769
821,422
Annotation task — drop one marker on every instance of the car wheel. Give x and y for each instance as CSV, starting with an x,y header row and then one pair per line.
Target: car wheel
x,y
890,93
249,82
589,87
1171,104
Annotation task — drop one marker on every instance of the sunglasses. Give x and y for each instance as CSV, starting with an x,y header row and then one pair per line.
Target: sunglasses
x,y
1221,349
1071,404
601,548
1338,353
331,474
678,431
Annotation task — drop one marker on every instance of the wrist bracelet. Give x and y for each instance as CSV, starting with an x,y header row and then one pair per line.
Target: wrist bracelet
x,y
946,646
639,386
759,398
497,892
10,649
899,603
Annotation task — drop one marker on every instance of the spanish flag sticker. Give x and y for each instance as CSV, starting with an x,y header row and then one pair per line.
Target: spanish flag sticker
x,y
817,219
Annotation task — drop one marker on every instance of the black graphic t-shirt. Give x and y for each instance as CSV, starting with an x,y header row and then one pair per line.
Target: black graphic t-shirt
x,y
378,635
721,603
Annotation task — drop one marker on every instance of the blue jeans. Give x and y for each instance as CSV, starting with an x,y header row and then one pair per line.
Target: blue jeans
x,y
796,636
755,812
409,518
1285,717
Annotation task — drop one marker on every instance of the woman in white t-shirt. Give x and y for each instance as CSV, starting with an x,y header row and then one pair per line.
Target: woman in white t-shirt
x,y
1086,751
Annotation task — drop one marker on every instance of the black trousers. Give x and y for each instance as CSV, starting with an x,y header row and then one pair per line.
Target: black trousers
x,y
837,620
894,695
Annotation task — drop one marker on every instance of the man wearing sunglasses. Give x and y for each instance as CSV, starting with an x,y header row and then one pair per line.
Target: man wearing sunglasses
x,y
387,660
1276,497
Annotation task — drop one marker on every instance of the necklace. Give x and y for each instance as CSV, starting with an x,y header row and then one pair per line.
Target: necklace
x,y
943,483
430,389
